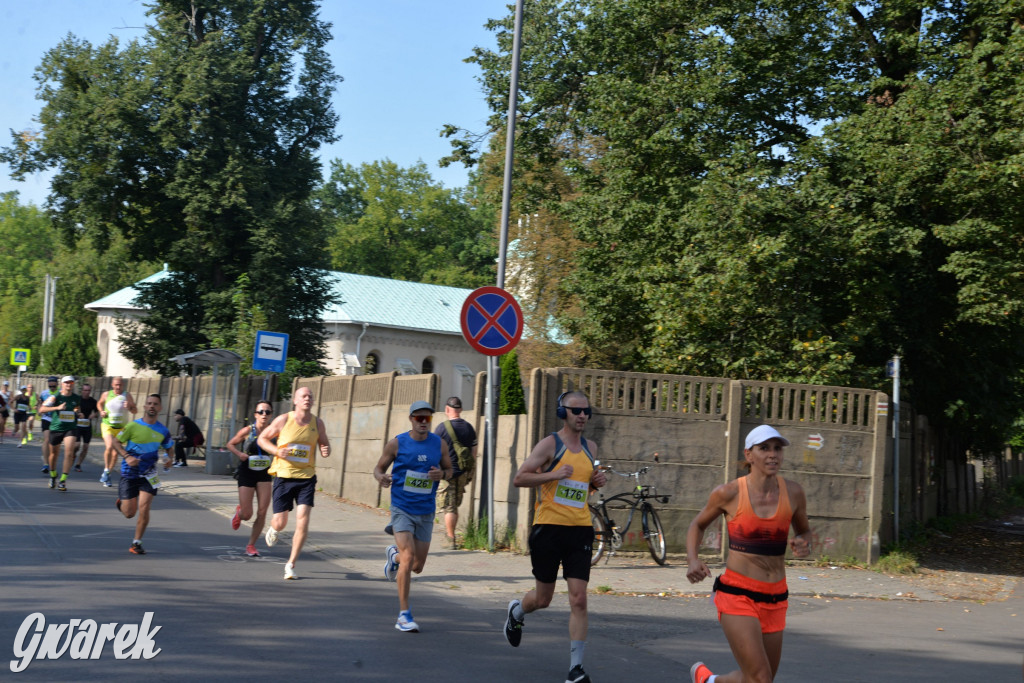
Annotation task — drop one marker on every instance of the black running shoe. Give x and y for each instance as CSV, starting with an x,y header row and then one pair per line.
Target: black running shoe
x,y
513,626
136,549
62,486
53,482
577,675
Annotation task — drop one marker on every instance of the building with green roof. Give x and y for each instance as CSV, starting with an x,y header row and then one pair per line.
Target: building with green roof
x,y
381,325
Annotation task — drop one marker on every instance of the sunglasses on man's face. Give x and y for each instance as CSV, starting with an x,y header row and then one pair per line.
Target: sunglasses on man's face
x,y
577,411
422,418
264,412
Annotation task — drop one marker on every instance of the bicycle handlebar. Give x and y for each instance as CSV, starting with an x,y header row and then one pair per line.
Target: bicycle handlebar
x,y
630,475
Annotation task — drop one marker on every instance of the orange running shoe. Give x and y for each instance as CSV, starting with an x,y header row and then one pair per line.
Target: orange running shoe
x,y
699,673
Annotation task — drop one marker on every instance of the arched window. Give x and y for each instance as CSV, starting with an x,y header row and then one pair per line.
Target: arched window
x,y
104,349
372,364
427,367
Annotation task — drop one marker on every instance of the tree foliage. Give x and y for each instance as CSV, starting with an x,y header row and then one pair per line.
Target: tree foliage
x,y
197,144
783,191
33,249
512,400
398,223
27,248
73,351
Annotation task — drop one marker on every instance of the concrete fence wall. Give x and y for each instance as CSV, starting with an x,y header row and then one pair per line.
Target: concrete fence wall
x,y
696,426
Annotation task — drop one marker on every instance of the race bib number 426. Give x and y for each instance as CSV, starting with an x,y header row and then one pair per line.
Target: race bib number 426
x,y
418,482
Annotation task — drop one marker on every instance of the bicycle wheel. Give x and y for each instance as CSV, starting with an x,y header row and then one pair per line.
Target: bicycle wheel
x,y
654,534
601,536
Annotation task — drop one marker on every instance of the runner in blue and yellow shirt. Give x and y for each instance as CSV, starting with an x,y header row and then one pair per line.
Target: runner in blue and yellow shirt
x,y
140,443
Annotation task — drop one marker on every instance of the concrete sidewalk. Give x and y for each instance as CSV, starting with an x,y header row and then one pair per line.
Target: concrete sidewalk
x,y
352,536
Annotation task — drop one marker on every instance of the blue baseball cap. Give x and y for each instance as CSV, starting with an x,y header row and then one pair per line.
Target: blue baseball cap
x,y
420,405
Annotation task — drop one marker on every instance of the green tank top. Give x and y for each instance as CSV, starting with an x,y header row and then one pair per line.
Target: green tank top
x,y
65,419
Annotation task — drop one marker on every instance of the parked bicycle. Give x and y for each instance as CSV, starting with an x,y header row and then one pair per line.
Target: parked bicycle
x,y
608,535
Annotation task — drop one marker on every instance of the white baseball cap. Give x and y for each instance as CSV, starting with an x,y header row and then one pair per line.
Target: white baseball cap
x,y
763,433
67,378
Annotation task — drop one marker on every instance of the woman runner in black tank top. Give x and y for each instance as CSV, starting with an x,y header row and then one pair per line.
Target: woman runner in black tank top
x,y
253,474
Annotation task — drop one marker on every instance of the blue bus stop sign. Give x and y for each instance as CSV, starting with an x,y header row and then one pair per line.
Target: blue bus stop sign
x,y
271,352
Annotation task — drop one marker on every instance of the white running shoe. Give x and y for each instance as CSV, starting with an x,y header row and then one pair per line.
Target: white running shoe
x,y
270,537
405,623
391,565
289,571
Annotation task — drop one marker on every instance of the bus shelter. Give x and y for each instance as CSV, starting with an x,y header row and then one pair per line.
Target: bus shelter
x,y
222,413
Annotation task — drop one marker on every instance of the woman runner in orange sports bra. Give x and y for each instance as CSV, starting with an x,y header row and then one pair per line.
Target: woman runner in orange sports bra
x,y
751,597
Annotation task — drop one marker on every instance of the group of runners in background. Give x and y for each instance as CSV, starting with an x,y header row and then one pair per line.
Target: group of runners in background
x,y
65,422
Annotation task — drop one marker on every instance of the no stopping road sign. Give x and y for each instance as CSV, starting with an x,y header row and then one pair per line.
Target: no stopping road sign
x,y
492,321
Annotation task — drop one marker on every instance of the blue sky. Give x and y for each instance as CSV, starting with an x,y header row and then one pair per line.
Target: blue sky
x,y
401,61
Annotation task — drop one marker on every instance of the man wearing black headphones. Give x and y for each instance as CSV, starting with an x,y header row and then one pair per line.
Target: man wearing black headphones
x,y
561,466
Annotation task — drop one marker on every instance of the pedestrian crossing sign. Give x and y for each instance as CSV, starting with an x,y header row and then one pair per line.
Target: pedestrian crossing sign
x,y
20,356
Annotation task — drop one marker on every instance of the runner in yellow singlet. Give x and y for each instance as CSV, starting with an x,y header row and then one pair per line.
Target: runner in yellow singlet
x,y
293,440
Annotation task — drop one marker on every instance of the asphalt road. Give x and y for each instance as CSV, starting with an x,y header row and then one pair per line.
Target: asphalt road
x,y
65,555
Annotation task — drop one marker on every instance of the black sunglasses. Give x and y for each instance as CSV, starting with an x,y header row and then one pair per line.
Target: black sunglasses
x,y
264,412
577,411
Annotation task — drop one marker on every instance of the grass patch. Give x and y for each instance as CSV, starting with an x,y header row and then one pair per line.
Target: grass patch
x,y
474,536
604,589
897,561
849,563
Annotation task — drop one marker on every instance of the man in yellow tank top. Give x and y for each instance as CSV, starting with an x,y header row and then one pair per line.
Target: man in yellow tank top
x,y
561,466
293,440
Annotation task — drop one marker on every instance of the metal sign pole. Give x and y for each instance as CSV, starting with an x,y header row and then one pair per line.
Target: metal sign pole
x,y
492,432
493,387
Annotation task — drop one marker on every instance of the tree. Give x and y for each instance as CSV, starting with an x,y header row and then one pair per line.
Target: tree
x,y
783,191
398,223
512,400
197,145
73,351
28,247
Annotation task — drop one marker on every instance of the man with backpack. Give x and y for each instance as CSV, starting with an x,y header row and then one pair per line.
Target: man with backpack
x,y
461,439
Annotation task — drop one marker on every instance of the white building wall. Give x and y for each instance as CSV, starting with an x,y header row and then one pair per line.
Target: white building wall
x,y
109,345
455,361
390,344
